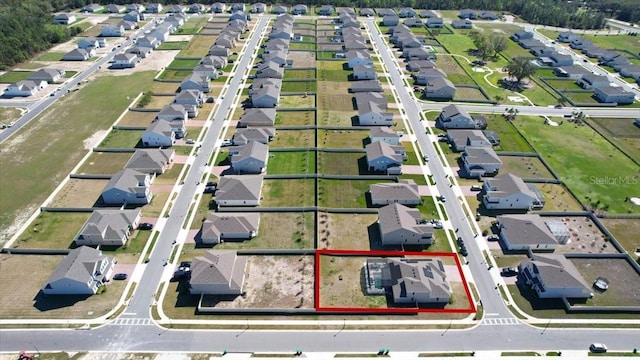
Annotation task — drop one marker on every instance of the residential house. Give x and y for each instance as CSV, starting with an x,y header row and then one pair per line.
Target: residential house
x,y
384,133
358,58
263,135
509,192
368,12
250,158
221,227
151,161
613,59
571,72
257,117
531,44
79,54
141,51
428,14
88,43
196,82
24,88
149,42
258,8
423,76
478,162
135,7
632,71
265,97
439,89
47,74
278,9
409,280
93,8
325,10
239,190
553,277
128,187
382,156
403,192
209,71
133,16
454,117
64,19
112,31
189,97
278,57
236,7
594,51
221,51
218,273
154,8
127,25
108,228
173,112
417,65
589,81
82,272
611,94
299,9
158,134
400,225
468,14
365,86
386,12
238,15
407,12
115,9
521,35
580,43
525,232
372,109
195,8
390,20
488,15
175,9
413,22
162,32
566,36
364,73
460,139
462,24
218,8
555,59
124,61
435,23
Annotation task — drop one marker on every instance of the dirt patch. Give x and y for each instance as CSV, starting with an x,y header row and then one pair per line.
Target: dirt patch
x,y
79,193
302,59
94,140
585,237
276,282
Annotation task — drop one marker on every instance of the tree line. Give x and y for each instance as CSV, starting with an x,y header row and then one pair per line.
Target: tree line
x,y
26,28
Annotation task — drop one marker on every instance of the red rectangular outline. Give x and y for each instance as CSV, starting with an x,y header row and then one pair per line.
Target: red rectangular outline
x,y
360,310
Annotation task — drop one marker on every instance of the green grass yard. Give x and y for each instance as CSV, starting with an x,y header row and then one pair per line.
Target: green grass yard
x,y
332,163
104,163
52,230
298,162
122,139
11,77
289,192
621,132
344,193
510,138
173,45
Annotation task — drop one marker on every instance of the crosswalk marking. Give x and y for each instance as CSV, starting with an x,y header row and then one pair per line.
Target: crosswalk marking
x,y
500,321
132,321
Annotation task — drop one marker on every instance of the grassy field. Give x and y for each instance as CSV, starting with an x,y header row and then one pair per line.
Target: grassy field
x,y
342,139
9,114
154,208
332,71
626,232
295,118
192,26
619,42
525,167
289,192
197,47
297,101
79,193
11,77
582,97
52,230
299,74
184,63
621,132
510,138
558,198
173,45
339,163
298,162
348,231
122,139
293,138
50,56
598,174
344,193
137,118
28,177
299,86
104,163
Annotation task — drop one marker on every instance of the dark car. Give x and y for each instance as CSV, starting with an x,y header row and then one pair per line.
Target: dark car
x,y
120,276
209,190
463,251
212,184
493,237
460,242
559,106
509,271
145,226
598,348
185,264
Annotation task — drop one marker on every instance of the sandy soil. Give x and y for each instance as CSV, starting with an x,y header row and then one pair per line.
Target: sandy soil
x,y
585,237
302,59
180,37
276,282
94,140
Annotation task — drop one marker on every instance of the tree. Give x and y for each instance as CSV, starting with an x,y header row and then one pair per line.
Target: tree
x,y
521,68
498,44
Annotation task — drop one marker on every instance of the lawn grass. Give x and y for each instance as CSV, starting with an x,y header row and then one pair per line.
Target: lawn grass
x,y
617,42
347,292
525,167
348,231
168,74
118,138
192,26
297,101
621,132
558,198
9,114
299,86
279,231
94,108
52,230
332,71
581,97
50,56
510,138
289,192
563,84
183,63
173,45
342,139
154,208
104,163
298,162
299,74
332,163
197,47
598,174
344,193
293,138
626,233
169,177
11,77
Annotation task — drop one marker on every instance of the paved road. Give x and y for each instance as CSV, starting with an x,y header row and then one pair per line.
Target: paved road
x,y
139,335
37,107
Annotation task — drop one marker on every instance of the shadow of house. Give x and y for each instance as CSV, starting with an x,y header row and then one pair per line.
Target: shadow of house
x,y
45,302
184,299
375,239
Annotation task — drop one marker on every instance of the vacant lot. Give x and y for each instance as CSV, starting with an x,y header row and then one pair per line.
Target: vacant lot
x,y
52,230
197,47
465,93
558,198
299,86
79,193
525,167
11,77
334,163
20,298
137,118
343,193
348,231
294,118
118,138
510,138
289,192
342,139
626,232
337,118
279,231
30,176
8,115
302,58
621,132
598,174
290,162
297,101
293,138
104,163
624,281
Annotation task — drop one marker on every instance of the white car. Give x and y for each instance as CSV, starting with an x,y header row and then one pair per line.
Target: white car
x,y
226,143
598,348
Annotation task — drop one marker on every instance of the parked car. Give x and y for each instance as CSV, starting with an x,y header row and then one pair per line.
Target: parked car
x,y
559,106
120,276
509,271
460,242
212,183
437,224
442,198
210,100
463,251
190,141
209,190
425,158
185,264
145,226
598,348
182,272
493,237
476,188
226,143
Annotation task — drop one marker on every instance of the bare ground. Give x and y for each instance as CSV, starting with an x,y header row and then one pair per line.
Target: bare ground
x,y
157,60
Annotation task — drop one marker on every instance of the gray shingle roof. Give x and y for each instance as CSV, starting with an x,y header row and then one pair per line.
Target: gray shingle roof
x,y
224,268
525,229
